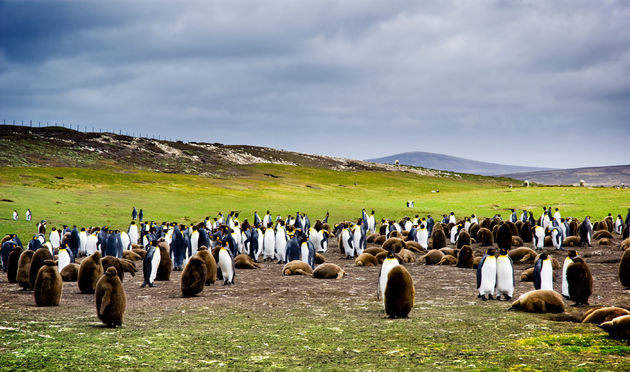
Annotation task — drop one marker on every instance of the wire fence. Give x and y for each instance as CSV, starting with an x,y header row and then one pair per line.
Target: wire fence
x,y
84,128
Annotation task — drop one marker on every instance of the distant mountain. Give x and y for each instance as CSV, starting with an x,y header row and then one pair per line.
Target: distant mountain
x,y
594,176
453,164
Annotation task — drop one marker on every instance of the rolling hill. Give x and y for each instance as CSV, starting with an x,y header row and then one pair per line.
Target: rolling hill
x,y
452,163
592,176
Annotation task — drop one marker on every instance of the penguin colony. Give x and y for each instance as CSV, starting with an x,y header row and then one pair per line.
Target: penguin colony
x,y
213,249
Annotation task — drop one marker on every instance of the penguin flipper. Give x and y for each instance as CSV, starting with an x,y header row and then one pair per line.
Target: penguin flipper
x,y
479,267
105,300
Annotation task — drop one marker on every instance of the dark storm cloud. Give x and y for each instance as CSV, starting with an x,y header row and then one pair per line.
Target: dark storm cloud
x,y
539,83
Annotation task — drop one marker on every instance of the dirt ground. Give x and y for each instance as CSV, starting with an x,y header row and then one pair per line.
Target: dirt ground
x,y
268,288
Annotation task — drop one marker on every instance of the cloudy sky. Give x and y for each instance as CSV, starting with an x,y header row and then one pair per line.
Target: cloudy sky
x,y
541,83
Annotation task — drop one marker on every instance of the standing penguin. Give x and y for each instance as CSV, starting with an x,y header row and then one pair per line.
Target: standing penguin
x,y
505,275
269,242
178,248
64,257
487,275
74,243
423,236
580,281
54,238
399,293
24,268
567,261
347,241
134,213
140,215
539,237
618,226
307,251
388,264
556,238
226,264
543,273
586,232
132,231
281,242
358,238
82,242
293,249
151,263
371,222
48,285
111,299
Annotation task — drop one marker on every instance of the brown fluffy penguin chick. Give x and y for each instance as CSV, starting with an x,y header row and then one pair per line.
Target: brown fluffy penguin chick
x,y
394,244
438,239
140,252
297,267
12,266
527,275
517,241
48,285
504,237
539,301
476,262
131,256
328,271
90,271
432,257
211,264
366,259
374,250
37,261
580,281
414,247
526,233
319,259
624,269
24,268
380,239
121,266
450,251
618,328
447,260
111,300
603,314
243,261
166,263
571,241
522,254
372,237
485,237
70,273
399,293
193,278
463,239
465,257
407,255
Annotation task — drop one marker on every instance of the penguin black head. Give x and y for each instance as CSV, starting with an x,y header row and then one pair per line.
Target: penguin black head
x,y
83,229
452,213
153,243
268,212
390,254
512,209
490,251
503,252
544,256
572,253
54,229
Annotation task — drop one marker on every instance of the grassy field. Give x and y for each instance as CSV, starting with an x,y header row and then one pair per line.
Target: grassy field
x,y
451,333
97,197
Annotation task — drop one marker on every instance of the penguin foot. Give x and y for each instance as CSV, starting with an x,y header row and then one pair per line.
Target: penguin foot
x,y
151,285
566,297
490,297
143,285
508,298
484,298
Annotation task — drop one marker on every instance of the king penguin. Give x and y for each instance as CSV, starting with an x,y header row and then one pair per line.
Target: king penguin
x,y
226,263
586,232
64,257
556,237
543,273
389,263
82,241
307,251
487,275
423,236
347,241
281,242
269,242
567,261
505,275
150,263
539,237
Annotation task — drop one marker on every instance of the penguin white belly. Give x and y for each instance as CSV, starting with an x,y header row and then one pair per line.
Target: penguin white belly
x,y
454,235
451,219
356,237
225,263
408,225
371,224
565,283
505,276
423,238
244,246
304,252
545,221
41,239
155,263
556,238
322,245
488,276
90,245
63,259
133,234
540,237
467,225
316,239
388,264
345,236
82,242
281,245
194,243
54,240
546,276
261,240
269,244
124,238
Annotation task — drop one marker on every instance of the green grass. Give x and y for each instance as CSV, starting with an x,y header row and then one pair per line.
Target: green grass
x,y
322,338
97,197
